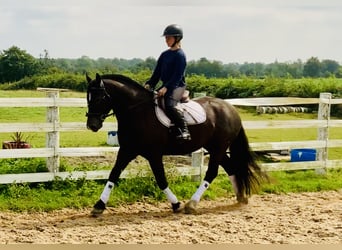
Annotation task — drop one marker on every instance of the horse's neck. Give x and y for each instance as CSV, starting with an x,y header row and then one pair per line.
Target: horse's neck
x,y
133,115
120,91
126,98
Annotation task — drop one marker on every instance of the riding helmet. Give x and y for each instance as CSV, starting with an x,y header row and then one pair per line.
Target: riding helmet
x,y
173,30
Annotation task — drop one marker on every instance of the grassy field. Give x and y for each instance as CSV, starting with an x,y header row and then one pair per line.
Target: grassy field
x,y
82,193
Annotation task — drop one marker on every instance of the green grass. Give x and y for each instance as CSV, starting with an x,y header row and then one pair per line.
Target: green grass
x,y
17,166
303,181
81,193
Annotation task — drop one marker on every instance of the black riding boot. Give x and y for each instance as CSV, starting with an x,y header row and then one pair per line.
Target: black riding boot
x,y
176,116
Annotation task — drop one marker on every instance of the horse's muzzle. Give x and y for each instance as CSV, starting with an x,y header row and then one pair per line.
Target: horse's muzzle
x,y
94,125
93,128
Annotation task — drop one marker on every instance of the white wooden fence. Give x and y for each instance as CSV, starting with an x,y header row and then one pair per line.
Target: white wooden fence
x,y
52,127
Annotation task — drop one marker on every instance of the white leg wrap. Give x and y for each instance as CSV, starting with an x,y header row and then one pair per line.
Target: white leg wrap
x,y
106,192
170,196
234,184
199,192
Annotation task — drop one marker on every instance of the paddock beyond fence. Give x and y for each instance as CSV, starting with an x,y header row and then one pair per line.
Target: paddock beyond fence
x,y
53,152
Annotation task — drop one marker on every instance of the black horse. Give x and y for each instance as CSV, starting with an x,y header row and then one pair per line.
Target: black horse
x,y
141,133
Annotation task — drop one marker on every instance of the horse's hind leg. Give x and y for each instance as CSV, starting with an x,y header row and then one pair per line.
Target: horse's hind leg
x,y
123,158
157,166
210,175
226,163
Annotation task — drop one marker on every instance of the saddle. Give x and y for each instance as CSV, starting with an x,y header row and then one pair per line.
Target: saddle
x,y
193,112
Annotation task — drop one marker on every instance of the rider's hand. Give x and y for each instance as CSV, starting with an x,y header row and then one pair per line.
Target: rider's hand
x,y
162,91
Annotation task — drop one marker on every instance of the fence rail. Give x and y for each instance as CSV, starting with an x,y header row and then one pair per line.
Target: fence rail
x,y
53,127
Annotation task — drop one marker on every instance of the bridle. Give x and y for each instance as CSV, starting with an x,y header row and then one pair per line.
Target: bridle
x,y
105,97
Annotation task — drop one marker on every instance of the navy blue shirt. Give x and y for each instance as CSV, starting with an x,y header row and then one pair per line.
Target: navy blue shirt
x,y
170,70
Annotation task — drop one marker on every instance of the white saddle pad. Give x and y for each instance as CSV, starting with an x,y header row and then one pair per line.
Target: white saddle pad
x,y
193,113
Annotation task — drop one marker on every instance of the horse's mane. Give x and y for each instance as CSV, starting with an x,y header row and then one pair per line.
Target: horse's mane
x,y
124,80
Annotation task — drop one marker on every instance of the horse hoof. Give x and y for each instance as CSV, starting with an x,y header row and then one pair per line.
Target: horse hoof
x,y
98,209
190,207
176,207
242,200
96,212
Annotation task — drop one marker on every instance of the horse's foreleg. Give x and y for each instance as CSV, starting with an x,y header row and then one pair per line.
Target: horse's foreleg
x,y
122,161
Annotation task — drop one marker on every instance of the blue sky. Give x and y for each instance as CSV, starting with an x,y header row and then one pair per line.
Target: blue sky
x,y
224,30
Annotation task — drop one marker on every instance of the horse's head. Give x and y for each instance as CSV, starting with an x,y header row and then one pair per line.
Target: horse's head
x,y
99,103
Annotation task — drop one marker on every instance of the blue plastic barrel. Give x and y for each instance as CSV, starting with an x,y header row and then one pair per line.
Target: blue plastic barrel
x,y
303,154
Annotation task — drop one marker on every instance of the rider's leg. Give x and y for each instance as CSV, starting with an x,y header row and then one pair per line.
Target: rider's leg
x,y
176,115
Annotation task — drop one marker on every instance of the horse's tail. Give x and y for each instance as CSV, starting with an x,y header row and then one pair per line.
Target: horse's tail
x,y
248,173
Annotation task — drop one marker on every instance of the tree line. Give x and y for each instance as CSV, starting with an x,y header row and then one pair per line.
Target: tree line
x,y
16,64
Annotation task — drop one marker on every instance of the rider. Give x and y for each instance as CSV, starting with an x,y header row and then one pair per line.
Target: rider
x,y
170,70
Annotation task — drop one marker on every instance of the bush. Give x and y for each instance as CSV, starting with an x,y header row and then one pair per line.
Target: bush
x,y
75,82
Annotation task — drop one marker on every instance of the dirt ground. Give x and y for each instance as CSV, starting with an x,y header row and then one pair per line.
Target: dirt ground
x,y
275,219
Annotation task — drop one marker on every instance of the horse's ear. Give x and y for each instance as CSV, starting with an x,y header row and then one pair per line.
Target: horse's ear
x,y
99,80
98,77
88,78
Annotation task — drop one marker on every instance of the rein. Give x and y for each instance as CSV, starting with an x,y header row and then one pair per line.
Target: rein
x,y
102,116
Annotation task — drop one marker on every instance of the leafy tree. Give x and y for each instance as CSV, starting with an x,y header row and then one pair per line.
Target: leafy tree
x,y
277,69
148,64
46,65
329,67
295,69
206,68
339,72
312,67
84,64
65,64
232,69
249,69
15,64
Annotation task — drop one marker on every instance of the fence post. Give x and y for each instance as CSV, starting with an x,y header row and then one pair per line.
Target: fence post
x,y
323,132
52,137
197,162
